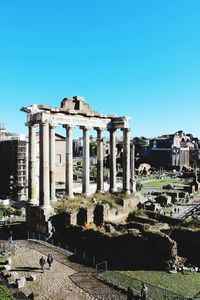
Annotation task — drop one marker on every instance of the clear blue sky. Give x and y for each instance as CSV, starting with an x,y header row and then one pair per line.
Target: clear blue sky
x,y
133,57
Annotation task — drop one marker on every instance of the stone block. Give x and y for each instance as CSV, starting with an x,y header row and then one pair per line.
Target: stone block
x,y
32,276
7,267
21,282
14,274
5,273
11,280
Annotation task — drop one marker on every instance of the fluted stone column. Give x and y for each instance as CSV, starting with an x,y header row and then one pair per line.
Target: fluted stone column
x,y
113,172
126,160
132,181
32,173
44,167
69,162
52,163
100,183
86,161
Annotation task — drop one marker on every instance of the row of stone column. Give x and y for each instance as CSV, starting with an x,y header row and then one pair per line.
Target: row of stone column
x,y
47,183
128,162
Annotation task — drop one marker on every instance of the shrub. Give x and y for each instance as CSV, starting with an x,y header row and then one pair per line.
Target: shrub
x,y
138,186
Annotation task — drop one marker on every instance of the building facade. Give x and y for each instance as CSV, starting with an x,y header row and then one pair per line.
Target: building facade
x,y
13,166
169,151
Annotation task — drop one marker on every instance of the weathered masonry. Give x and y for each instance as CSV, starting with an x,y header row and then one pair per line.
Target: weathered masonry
x,y
73,112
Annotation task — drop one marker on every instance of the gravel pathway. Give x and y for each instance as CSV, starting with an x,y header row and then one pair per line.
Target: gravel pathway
x,y
66,280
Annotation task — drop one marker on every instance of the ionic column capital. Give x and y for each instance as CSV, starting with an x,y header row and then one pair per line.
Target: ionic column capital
x,y
44,123
31,124
52,125
126,130
85,128
68,126
99,129
112,130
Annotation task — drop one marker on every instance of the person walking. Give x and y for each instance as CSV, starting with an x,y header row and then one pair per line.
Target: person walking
x,y
42,263
144,292
49,260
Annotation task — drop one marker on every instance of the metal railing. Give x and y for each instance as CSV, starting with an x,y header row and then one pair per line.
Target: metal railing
x,y
81,255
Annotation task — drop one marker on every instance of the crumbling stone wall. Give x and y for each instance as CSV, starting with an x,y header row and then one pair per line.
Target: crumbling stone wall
x,y
132,250
188,242
63,220
97,215
37,220
162,218
84,216
101,213
141,219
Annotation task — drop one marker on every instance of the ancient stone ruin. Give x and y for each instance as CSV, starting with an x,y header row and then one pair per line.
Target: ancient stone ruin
x,y
72,112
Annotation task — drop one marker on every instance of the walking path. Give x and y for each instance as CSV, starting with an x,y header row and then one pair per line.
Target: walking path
x,y
66,280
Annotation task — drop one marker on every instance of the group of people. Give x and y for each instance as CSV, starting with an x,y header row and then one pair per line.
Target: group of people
x,y
42,262
143,293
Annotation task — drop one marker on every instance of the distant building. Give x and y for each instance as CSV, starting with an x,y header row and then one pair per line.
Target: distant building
x,y
170,151
13,166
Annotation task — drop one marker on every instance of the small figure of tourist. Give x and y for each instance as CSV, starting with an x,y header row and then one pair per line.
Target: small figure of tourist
x,y
42,263
130,294
49,260
171,213
144,292
10,239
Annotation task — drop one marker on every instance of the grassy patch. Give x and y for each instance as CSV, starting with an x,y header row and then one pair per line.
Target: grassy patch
x,y
162,182
3,259
5,293
73,204
185,285
139,213
192,223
